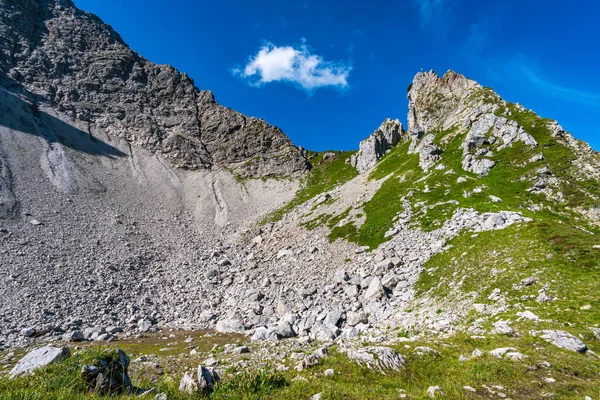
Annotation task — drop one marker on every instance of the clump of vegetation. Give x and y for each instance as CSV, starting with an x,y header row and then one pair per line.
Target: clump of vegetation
x,y
324,175
250,385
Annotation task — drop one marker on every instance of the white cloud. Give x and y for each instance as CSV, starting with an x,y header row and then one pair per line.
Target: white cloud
x,y
294,65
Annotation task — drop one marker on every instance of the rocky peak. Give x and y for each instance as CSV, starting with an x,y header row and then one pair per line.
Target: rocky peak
x,y
377,144
68,59
433,99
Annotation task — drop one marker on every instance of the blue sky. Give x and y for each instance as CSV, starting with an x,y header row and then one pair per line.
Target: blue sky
x,y
329,72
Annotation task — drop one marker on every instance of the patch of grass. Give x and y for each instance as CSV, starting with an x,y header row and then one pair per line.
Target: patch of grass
x,y
560,255
577,192
323,176
250,385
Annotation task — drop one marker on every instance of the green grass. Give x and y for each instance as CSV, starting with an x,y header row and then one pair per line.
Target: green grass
x,y
578,192
386,203
575,374
322,177
560,255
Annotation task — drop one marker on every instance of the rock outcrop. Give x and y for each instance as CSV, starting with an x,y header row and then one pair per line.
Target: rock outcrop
x,y
59,55
375,146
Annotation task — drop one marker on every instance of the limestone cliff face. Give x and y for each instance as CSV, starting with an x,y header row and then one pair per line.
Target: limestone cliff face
x,y
375,146
57,54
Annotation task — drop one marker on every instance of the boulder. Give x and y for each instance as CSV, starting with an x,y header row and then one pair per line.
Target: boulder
x,y
340,276
377,357
230,325
207,379
109,376
28,332
187,384
285,330
39,358
74,336
563,340
375,290
262,334
355,318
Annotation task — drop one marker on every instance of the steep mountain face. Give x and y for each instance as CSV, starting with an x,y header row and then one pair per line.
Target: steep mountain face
x,y
72,61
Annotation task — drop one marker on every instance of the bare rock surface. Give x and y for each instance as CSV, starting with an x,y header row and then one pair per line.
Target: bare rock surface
x,y
375,146
39,358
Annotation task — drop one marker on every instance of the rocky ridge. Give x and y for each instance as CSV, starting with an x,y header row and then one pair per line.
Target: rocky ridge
x,y
58,55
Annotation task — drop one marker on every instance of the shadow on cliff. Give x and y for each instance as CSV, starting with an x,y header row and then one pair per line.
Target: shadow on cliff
x,y
23,117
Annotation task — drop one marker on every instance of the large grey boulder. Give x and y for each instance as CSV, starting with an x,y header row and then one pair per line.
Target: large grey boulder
x,y
262,334
187,384
375,290
355,318
207,379
39,358
379,358
563,340
375,146
230,325
285,330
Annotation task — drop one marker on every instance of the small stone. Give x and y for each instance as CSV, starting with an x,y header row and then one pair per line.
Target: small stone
x,y
500,352
28,332
340,276
188,385
469,389
329,372
434,391
230,325
563,340
241,350
480,308
528,315
503,328
375,290
355,318
529,281
263,334
211,362
310,361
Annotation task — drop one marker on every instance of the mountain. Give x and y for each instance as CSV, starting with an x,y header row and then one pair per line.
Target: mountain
x,y
131,204
71,61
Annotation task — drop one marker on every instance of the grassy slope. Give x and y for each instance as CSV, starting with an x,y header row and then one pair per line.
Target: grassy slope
x,y
575,374
323,176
